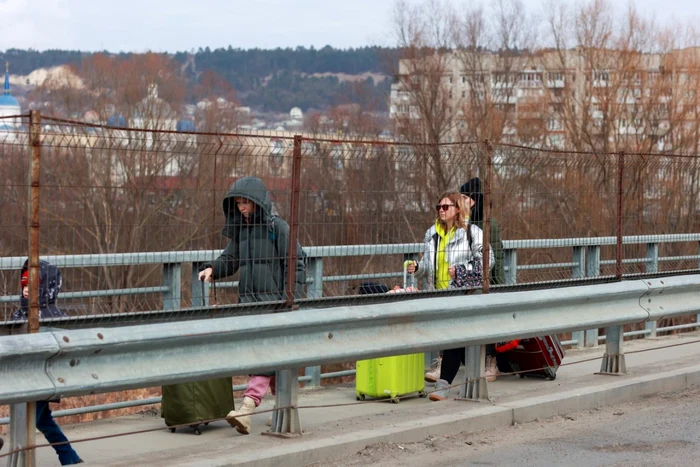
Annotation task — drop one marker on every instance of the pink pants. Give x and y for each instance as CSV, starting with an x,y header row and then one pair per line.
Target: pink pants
x,y
257,387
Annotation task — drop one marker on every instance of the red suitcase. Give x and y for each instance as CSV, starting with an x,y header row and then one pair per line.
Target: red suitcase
x,y
538,356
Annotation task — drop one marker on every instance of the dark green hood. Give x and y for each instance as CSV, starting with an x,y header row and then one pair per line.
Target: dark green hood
x,y
251,188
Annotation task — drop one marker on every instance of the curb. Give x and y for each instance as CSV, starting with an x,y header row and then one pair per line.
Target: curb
x,y
476,419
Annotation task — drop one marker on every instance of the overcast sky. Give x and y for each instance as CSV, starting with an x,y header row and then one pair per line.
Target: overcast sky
x,y
178,25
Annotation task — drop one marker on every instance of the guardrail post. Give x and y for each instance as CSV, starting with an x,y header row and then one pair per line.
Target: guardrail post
x,y
200,295
285,420
510,258
172,277
652,266
20,437
475,387
614,359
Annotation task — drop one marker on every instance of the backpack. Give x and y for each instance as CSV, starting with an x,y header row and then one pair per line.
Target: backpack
x,y
272,235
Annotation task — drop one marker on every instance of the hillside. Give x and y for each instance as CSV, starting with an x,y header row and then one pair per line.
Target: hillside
x,y
267,80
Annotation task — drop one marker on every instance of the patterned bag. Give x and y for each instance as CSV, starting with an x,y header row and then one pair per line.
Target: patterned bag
x,y
464,278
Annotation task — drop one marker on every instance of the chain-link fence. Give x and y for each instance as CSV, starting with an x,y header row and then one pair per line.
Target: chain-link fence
x,y
131,216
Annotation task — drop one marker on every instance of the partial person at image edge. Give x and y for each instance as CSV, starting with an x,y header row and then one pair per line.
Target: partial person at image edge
x,y
50,283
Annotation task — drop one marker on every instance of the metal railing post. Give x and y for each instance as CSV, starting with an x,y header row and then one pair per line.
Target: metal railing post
x,y
475,387
579,259
285,420
592,260
200,295
172,279
315,271
315,290
652,266
510,259
614,359
578,271
21,416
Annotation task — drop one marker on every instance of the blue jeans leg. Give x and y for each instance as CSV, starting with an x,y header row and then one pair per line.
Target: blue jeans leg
x,y
53,434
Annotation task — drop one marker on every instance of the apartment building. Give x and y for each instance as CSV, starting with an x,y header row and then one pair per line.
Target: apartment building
x,y
606,98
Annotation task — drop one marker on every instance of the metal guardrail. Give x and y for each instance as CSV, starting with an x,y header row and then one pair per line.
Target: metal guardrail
x,y
582,248
77,362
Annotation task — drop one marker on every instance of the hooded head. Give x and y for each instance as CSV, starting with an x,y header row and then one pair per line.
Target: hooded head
x,y
473,189
251,188
50,282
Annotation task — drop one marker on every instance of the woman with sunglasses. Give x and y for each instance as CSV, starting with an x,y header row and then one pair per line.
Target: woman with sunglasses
x,y
451,243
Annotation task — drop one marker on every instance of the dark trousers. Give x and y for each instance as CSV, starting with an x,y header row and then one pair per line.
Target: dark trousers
x,y
53,434
451,359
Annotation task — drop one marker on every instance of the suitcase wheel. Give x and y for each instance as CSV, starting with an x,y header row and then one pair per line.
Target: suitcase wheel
x,y
196,429
395,400
360,397
522,375
172,430
422,394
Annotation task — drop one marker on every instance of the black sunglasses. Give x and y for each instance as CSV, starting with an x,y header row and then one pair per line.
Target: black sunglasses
x,y
444,207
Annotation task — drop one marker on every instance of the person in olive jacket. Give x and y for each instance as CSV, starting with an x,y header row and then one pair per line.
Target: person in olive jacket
x,y
257,248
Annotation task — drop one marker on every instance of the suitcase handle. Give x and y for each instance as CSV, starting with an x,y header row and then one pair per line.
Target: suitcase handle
x,y
406,275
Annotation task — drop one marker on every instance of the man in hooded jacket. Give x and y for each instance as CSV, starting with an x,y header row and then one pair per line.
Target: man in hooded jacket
x,y
258,249
50,282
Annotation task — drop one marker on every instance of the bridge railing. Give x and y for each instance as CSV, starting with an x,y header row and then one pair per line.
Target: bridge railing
x,y
586,262
85,361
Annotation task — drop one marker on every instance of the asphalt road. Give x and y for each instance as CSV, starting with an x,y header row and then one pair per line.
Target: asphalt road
x,y
657,431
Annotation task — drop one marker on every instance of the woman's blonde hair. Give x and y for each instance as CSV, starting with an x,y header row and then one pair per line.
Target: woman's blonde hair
x,y
462,219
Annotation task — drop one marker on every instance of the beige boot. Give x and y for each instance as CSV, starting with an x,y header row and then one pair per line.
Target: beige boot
x,y
243,416
491,372
433,375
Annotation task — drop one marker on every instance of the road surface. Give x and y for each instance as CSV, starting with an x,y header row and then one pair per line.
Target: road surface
x,y
655,431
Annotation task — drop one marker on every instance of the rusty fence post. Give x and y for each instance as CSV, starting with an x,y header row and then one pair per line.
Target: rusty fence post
x,y
23,416
486,249
620,194
293,222
286,421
